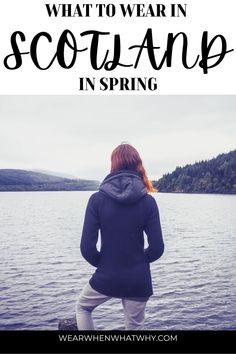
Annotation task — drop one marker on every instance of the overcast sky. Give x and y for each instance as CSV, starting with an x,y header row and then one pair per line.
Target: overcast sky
x,y
76,134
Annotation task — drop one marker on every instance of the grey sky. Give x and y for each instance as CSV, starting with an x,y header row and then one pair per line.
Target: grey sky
x,y
76,134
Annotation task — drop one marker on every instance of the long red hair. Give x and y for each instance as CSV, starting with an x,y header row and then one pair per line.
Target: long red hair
x,y
126,157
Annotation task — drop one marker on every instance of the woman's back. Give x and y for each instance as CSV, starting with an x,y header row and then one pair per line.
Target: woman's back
x,y
122,210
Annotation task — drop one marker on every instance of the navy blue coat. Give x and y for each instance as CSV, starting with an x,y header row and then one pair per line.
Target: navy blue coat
x,y
122,211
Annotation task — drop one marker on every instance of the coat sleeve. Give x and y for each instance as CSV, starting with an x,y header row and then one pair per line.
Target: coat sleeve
x,y
154,234
88,244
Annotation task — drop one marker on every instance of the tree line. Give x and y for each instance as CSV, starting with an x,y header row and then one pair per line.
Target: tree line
x,y
217,175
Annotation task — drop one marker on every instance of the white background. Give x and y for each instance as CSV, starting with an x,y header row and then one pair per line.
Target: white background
x,y
31,17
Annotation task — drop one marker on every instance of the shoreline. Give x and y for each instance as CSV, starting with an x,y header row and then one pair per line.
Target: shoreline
x,y
96,190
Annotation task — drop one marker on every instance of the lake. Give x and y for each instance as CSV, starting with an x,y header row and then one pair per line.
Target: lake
x,y
42,271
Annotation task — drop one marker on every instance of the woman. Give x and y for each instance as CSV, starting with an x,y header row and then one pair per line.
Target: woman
x,y
122,210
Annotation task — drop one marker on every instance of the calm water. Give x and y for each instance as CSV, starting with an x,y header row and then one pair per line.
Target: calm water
x,y
42,271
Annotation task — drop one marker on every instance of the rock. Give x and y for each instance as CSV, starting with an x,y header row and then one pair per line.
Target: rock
x,y
68,324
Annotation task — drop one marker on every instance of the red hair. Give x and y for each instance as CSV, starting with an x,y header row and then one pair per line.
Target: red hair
x,y
126,157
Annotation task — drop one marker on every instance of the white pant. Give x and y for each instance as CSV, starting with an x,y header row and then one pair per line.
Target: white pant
x,y
89,299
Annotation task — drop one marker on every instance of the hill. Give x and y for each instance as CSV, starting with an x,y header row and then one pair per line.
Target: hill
x,y
22,180
217,175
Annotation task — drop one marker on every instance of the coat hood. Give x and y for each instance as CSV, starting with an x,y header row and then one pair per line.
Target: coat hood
x,y
124,186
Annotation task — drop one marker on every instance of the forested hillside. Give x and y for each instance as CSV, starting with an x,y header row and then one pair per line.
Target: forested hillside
x,y
22,180
217,175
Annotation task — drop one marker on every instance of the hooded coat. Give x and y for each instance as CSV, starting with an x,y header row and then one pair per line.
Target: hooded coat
x,y
123,211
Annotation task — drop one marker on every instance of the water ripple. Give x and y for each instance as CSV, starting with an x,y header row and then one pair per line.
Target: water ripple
x,y
43,272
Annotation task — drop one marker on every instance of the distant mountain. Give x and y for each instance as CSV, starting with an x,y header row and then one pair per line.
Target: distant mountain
x,y
53,173
217,175
22,180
